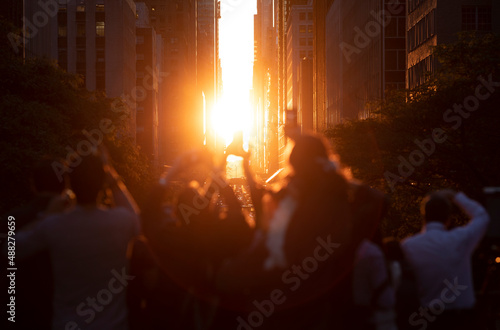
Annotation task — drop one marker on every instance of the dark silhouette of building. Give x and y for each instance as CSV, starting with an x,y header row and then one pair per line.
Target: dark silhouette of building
x,y
149,52
181,120
264,90
437,22
365,55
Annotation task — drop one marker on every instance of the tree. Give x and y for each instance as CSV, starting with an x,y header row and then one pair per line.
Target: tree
x,y
442,134
46,111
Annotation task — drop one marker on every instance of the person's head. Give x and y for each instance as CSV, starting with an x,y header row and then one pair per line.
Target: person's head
x,y
309,155
87,179
44,179
436,208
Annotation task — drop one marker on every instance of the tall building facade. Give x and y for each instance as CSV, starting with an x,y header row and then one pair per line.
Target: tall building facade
x,y
433,22
282,9
365,55
209,63
92,38
149,47
181,119
264,92
299,47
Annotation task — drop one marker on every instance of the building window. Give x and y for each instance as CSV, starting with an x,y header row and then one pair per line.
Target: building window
x,y
302,16
302,41
80,56
302,54
62,31
476,18
80,8
310,29
80,29
99,28
413,4
309,16
422,31
100,82
310,42
99,55
420,72
310,54
302,29
99,7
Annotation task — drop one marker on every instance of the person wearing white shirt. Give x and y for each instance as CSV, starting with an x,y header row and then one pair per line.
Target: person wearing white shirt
x,y
441,260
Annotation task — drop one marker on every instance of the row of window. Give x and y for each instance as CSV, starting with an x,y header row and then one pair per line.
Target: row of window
x,y
413,4
80,7
419,73
304,28
179,6
476,18
305,41
81,29
422,31
302,16
303,54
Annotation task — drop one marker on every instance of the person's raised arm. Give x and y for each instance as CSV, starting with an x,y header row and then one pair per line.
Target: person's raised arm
x,y
474,231
121,195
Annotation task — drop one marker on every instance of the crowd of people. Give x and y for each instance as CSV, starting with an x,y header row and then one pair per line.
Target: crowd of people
x,y
313,257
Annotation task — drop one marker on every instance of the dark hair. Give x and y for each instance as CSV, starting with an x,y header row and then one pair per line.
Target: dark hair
x,y
87,179
44,177
305,154
436,207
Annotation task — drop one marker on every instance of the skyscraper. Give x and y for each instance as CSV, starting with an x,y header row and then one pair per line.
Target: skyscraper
x,y
437,22
365,55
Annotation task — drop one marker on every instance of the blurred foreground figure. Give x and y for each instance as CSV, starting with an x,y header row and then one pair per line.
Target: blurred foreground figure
x,y
185,244
441,260
87,247
298,272
34,284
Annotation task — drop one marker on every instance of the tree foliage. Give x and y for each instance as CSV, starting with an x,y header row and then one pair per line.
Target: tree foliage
x,y
443,134
44,111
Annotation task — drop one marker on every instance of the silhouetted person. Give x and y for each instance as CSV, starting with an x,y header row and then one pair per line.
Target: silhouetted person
x,y
188,241
88,247
375,282
441,260
301,250
34,279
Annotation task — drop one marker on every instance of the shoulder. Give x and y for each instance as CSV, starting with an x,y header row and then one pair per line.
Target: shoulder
x,y
368,249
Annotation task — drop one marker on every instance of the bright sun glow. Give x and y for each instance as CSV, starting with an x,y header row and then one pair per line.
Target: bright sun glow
x,y
231,115
233,111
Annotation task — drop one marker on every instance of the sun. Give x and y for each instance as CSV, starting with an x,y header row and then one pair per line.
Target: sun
x,y
232,114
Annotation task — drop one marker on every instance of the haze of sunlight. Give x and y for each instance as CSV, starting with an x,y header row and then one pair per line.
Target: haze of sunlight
x,y
234,110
